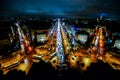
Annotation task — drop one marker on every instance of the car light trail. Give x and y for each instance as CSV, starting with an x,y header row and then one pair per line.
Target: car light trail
x,y
59,48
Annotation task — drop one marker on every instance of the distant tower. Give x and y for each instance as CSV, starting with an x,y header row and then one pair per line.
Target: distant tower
x,y
101,17
98,20
12,31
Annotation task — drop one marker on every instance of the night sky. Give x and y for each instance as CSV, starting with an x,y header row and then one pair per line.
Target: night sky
x,y
85,8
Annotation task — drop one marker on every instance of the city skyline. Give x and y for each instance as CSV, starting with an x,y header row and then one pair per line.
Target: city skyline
x,y
83,8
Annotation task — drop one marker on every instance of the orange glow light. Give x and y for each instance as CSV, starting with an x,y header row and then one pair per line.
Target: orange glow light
x,y
30,48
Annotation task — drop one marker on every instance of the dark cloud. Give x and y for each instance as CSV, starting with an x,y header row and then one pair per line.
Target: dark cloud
x,y
61,7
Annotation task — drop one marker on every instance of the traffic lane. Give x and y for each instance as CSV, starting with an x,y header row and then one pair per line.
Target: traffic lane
x,y
113,60
10,60
54,61
25,66
81,60
45,53
41,50
65,41
17,61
